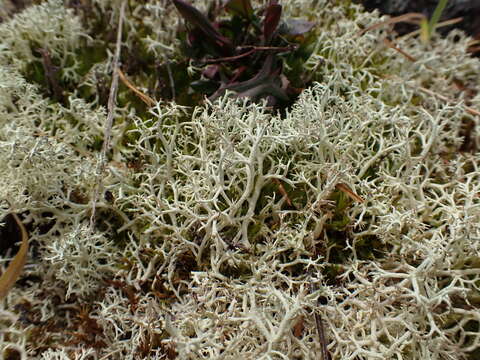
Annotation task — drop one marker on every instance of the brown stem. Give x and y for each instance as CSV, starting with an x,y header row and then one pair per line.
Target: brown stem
x,y
252,50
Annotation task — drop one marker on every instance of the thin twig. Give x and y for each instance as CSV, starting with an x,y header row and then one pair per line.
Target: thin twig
x,y
111,109
432,93
267,48
321,336
51,74
396,48
230,58
170,78
251,50
320,328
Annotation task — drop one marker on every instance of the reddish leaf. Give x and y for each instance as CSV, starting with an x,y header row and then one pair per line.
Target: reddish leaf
x,y
264,83
200,21
272,18
211,71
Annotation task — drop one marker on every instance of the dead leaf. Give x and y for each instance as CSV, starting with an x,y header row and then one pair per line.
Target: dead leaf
x,y
14,269
299,327
282,191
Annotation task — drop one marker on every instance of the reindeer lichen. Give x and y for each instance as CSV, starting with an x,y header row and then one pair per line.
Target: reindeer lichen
x,y
221,230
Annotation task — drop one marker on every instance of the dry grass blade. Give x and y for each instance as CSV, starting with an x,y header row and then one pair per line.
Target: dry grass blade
x,y
394,47
145,98
14,269
111,109
417,17
346,189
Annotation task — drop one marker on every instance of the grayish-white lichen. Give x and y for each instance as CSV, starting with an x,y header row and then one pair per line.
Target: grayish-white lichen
x,y
196,252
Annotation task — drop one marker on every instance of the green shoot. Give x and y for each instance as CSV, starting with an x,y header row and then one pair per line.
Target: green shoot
x,y
427,27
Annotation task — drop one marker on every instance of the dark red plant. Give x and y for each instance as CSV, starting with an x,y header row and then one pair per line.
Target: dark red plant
x,y
246,53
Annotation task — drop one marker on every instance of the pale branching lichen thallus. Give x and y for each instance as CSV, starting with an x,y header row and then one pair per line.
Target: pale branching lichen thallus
x,y
221,230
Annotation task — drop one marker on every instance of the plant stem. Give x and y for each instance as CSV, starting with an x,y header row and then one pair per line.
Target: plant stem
x,y
437,13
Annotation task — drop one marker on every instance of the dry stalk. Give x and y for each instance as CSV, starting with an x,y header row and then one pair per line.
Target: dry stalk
x,y
144,97
111,109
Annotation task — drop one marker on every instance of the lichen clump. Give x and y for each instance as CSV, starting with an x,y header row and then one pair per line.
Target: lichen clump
x,y
221,229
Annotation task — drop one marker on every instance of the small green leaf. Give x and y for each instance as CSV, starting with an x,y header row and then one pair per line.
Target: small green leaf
x,y
437,13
